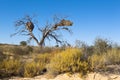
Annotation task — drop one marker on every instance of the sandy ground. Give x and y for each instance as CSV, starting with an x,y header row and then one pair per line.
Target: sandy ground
x,y
90,76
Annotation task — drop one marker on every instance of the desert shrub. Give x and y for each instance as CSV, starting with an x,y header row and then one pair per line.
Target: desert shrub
x,y
80,44
32,69
14,50
27,50
37,66
86,50
46,50
36,49
9,67
45,58
113,56
2,56
1,50
97,61
101,46
42,50
19,50
67,61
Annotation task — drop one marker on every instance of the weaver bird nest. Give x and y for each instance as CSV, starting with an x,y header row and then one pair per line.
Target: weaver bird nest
x,y
30,26
63,22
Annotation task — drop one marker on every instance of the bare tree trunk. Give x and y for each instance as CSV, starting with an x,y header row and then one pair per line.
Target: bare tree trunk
x,y
40,44
31,34
42,41
43,38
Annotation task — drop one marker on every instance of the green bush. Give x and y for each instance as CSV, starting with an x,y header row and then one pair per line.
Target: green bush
x,y
67,61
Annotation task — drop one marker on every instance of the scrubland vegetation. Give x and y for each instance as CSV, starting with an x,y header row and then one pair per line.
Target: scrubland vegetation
x,y
29,61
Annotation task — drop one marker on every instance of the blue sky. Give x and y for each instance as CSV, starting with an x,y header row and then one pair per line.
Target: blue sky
x,y
91,18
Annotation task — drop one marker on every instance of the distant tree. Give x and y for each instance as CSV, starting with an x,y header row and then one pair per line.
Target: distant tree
x,y
56,45
23,43
80,44
101,45
25,26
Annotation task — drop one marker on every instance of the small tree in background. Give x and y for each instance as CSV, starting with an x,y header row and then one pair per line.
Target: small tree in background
x,y
23,43
86,50
25,26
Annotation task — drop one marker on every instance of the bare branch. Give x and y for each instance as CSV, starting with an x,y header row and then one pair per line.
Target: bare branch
x,y
67,29
19,23
55,37
31,34
30,38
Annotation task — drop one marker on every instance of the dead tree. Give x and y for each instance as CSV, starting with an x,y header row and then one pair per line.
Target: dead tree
x,y
25,26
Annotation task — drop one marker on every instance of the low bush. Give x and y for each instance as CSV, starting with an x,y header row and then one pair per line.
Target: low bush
x,y
32,69
42,50
9,67
27,50
2,56
37,66
97,61
110,57
67,61
113,56
16,50
44,58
